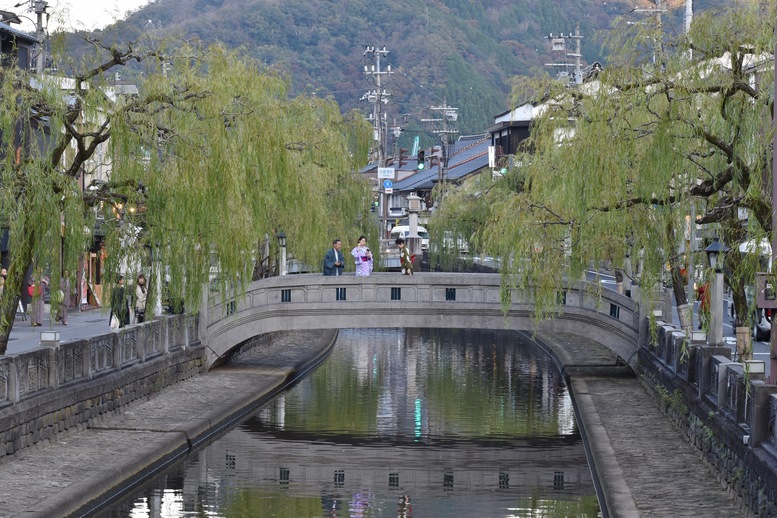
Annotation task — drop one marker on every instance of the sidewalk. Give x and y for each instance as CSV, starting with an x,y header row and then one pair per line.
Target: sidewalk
x,y
80,324
76,473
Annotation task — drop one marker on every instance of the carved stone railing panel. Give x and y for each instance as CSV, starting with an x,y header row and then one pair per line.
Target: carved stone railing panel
x,y
193,329
32,372
175,332
128,345
772,440
101,353
70,362
5,393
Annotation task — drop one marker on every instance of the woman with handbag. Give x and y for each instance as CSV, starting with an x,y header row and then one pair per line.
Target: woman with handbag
x,y
362,257
63,298
119,307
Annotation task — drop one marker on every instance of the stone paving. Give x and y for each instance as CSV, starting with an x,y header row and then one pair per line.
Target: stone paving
x,y
67,476
645,464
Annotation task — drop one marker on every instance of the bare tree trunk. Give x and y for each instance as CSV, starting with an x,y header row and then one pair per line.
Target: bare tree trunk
x,y
684,310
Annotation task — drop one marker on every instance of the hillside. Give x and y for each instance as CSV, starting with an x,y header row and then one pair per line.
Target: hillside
x,y
460,51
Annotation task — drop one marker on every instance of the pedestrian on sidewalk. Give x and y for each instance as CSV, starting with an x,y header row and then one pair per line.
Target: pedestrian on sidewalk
x,y
64,299
141,295
119,306
703,296
38,289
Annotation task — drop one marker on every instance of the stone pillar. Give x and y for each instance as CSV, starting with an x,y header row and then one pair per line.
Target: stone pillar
x,y
716,310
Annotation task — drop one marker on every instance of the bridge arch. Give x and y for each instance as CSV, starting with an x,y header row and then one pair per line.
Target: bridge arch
x,y
425,300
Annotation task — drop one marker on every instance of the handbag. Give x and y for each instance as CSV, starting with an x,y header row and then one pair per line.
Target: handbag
x,y
114,322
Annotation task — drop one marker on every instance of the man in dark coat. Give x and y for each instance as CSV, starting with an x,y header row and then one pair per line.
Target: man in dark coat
x,y
334,261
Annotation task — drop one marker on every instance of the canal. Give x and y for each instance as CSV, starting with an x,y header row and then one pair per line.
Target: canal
x,y
396,423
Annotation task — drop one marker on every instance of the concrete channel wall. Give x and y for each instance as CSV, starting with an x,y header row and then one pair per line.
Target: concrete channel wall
x,y
724,409
49,392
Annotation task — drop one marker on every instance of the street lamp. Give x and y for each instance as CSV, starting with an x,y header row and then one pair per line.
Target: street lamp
x,y
714,256
281,236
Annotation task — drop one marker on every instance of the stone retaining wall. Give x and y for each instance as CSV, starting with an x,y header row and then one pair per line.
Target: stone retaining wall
x,y
724,410
47,393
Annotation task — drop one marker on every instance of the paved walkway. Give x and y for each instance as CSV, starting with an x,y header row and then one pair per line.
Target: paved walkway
x,y
644,463
68,476
80,324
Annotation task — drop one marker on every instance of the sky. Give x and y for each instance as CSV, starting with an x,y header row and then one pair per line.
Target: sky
x,y
83,14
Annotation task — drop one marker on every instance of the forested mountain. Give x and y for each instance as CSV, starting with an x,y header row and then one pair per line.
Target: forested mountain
x,y
460,51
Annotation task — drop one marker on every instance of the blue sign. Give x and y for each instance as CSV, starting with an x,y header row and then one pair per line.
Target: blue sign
x,y
387,184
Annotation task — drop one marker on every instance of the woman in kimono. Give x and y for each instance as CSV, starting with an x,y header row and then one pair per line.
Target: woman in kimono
x,y
405,261
363,257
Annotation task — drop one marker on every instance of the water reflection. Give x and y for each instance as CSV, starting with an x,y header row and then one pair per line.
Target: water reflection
x,y
399,423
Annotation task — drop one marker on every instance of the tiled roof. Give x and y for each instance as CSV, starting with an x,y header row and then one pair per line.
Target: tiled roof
x,y
29,38
468,154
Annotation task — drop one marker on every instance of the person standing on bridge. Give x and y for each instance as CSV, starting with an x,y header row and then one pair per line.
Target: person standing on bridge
x,y
363,257
334,261
405,261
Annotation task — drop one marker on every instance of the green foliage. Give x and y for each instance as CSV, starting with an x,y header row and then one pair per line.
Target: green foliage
x,y
209,158
612,167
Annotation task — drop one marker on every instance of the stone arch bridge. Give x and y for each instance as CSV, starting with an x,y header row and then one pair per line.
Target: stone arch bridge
x,y
426,300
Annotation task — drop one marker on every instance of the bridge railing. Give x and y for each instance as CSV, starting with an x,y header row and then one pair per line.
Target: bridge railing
x,y
313,301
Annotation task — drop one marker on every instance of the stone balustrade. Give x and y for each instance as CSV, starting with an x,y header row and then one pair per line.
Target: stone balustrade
x,y
723,406
54,390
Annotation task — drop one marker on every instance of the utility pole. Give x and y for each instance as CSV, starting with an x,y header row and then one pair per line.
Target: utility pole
x,y
447,129
39,6
657,10
378,97
559,44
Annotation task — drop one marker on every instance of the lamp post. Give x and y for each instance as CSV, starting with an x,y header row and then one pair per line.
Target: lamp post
x,y
714,256
281,236
413,240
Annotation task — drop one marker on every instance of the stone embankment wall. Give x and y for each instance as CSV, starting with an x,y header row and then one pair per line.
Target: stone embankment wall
x,y
723,407
49,392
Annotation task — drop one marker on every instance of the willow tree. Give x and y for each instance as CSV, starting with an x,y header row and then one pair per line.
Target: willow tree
x,y
613,167
209,157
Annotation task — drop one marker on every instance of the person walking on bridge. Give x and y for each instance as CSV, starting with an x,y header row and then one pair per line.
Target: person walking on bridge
x,y
334,261
405,261
363,257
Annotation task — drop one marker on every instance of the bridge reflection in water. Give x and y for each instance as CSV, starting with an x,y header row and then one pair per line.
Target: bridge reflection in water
x,y
458,422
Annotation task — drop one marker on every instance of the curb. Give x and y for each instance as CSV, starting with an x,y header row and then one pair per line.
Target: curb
x,y
88,495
